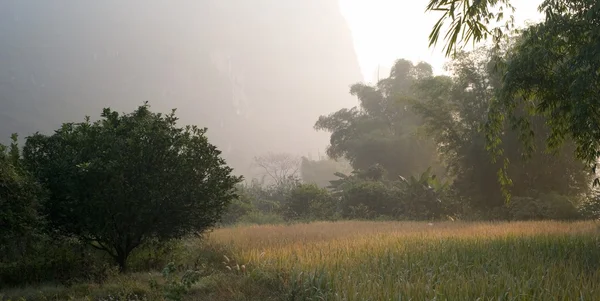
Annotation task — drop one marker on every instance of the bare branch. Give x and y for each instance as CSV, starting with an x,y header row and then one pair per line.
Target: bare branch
x,y
278,166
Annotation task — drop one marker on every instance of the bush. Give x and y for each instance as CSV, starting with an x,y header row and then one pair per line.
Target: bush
x,y
424,198
175,287
309,202
262,218
368,199
238,208
543,206
154,254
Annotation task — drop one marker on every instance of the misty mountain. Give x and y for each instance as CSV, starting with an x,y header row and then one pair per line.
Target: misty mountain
x,y
256,73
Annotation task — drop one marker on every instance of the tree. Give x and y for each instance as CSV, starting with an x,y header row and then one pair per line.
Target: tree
x,y
455,109
280,167
125,179
553,69
308,201
19,197
367,193
383,129
469,20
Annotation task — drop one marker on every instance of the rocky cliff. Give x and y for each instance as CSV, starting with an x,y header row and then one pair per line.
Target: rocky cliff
x,y
256,73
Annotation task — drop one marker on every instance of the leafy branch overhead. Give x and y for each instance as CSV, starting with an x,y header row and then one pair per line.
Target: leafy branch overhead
x,y
469,21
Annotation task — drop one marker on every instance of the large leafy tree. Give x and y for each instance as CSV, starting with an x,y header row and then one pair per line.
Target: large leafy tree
x,y
554,69
455,109
124,179
382,129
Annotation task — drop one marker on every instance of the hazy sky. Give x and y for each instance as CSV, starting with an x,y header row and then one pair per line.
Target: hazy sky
x,y
386,30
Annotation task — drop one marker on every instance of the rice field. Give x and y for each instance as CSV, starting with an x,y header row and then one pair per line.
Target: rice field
x,y
359,260
419,261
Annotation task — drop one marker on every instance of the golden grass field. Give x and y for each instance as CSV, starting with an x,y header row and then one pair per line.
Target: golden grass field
x,y
356,260
420,261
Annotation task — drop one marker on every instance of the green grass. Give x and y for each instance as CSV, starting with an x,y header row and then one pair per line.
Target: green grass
x,y
375,261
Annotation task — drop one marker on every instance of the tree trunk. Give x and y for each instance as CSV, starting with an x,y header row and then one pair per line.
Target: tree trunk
x,y
121,260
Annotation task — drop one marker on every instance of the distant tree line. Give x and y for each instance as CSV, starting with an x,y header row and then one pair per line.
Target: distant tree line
x,y
418,147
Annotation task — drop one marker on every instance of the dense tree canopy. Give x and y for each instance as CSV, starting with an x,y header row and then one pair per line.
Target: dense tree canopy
x,y
455,109
553,70
383,129
127,178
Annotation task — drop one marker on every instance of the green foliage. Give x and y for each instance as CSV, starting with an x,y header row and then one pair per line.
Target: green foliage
x,y
543,206
368,199
314,285
237,208
365,194
19,200
469,20
455,109
155,254
424,197
309,202
382,130
265,203
554,68
124,179
264,198
176,287
369,195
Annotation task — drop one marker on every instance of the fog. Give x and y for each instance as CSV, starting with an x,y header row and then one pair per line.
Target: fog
x,y
256,73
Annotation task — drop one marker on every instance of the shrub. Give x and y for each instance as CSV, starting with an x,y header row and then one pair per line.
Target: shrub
x,y
543,206
174,287
368,199
238,208
262,218
154,254
309,202
424,198
65,261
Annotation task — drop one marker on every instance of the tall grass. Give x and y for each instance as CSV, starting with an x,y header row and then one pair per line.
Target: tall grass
x,y
420,261
355,260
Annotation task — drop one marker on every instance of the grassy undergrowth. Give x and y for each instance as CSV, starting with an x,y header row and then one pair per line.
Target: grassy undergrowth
x,y
369,261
